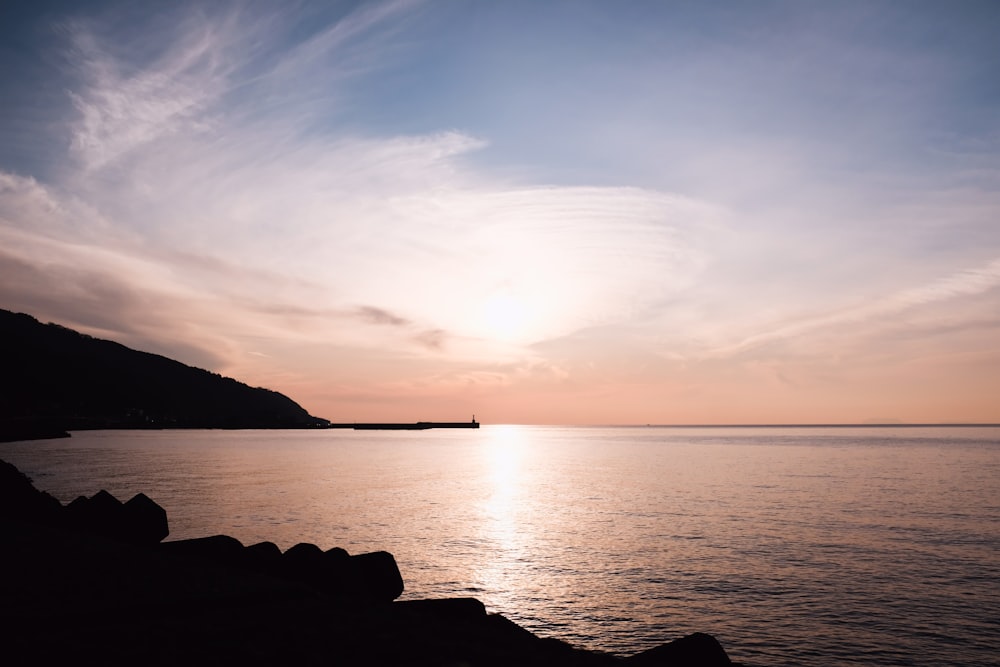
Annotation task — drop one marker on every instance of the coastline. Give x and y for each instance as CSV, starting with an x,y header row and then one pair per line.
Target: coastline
x,y
15,430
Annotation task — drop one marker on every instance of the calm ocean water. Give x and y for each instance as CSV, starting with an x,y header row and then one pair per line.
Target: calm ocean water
x,y
793,546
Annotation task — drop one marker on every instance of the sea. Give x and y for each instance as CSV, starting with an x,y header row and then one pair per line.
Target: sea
x,y
790,545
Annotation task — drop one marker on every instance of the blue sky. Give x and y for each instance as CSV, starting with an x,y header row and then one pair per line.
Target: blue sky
x,y
569,212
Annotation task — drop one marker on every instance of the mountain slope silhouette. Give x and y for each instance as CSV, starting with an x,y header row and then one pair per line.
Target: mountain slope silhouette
x,y
60,378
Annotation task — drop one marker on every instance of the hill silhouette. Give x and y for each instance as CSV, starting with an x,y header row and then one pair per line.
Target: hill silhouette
x,y
57,379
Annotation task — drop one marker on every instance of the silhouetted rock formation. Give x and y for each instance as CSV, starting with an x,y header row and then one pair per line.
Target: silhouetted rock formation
x,y
84,585
55,379
219,549
20,500
263,557
696,649
139,521
371,576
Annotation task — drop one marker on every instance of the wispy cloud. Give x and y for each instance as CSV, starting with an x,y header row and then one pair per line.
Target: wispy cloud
x,y
967,282
121,109
432,339
379,316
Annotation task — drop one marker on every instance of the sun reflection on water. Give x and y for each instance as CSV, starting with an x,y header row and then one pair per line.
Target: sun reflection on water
x,y
504,453
502,522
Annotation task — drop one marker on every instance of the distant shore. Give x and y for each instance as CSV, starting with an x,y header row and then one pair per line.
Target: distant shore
x,y
44,429
14,431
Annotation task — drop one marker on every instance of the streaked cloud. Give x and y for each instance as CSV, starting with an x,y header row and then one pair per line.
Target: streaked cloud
x,y
963,283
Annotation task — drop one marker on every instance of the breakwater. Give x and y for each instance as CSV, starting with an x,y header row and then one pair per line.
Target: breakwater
x,y
402,426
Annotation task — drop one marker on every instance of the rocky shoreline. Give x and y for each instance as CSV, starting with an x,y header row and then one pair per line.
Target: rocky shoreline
x,y
93,582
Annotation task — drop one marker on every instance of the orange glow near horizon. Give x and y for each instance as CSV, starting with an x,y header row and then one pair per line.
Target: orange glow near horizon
x,y
690,398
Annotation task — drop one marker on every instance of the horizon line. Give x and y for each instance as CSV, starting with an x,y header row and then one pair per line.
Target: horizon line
x,y
775,425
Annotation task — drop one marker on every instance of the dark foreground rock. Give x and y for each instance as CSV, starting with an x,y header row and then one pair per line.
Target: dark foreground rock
x,y
71,593
696,649
139,521
371,576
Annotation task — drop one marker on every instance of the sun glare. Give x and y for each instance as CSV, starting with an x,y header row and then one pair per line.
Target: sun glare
x,y
505,316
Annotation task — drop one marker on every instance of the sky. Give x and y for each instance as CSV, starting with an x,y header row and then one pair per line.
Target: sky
x,y
562,212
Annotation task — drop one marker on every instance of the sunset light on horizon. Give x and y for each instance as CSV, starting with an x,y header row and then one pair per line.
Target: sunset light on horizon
x,y
534,212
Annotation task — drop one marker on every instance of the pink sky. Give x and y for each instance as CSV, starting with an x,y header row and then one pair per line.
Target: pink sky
x,y
537,214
